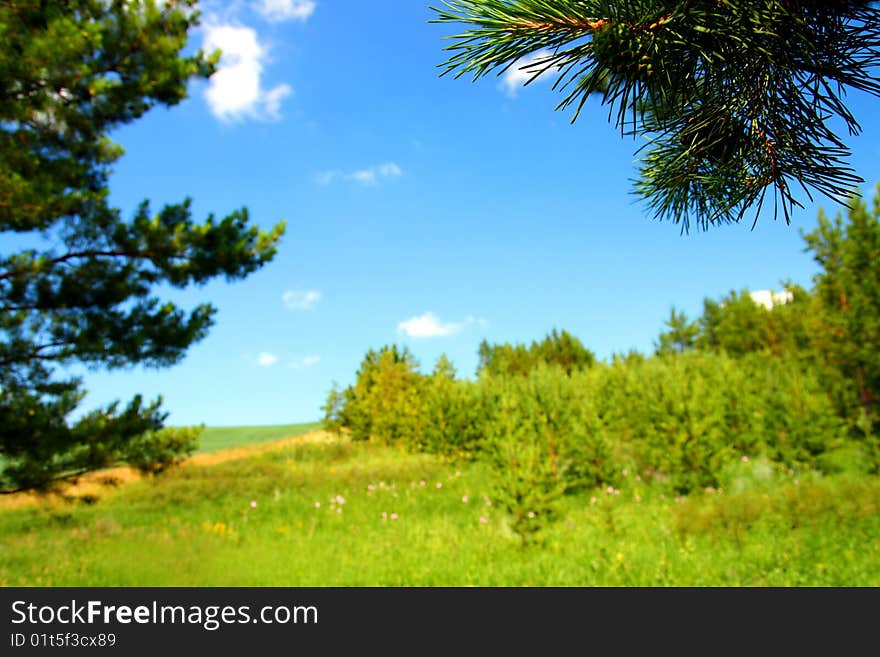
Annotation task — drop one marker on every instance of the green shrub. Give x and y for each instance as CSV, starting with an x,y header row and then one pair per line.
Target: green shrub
x,y
156,451
543,440
454,414
530,471
681,418
678,419
385,403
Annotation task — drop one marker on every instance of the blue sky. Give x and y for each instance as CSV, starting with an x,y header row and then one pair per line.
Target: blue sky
x,y
426,211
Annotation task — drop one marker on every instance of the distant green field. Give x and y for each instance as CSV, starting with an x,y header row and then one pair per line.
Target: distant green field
x,y
217,438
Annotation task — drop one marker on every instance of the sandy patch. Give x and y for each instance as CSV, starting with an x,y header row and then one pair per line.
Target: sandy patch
x,y
100,481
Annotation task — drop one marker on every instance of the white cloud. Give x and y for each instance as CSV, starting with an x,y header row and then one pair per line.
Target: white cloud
x,y
301,300
769,298
235,91
304,363
390,170
272,100
368,176
276,11
517,75
265,359
429,326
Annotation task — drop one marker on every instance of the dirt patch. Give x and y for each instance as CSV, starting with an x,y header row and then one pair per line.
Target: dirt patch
x,y
93,484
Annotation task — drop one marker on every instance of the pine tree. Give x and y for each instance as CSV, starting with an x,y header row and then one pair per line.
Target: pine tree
x,y
736,99
559,348
680,336
846,320
82,288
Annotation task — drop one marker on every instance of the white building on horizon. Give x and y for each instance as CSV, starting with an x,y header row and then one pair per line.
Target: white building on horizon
x,y
769,298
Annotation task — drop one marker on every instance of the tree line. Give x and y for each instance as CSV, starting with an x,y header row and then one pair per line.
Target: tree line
x,y
796,384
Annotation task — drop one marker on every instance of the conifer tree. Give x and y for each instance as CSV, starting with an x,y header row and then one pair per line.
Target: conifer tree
x,y
737,101
77,279
680,336
846,319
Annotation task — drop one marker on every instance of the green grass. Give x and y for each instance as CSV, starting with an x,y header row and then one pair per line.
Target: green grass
x,y
196,526
217,438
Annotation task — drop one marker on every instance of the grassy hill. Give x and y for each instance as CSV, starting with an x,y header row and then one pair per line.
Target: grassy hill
x,y
217,438
324,511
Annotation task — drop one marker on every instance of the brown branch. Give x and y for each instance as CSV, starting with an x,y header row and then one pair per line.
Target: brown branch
x,y
659,23
34,354
774,176
581,24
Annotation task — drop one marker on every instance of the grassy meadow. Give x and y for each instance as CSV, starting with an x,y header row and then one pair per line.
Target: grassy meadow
x,y
325,511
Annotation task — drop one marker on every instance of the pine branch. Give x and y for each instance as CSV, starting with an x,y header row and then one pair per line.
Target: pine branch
x,y
733,98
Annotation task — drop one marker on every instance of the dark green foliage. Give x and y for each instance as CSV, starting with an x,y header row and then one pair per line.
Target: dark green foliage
x,y
83,291
155,452
847,318
624,52
735,98
39,446
557,348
